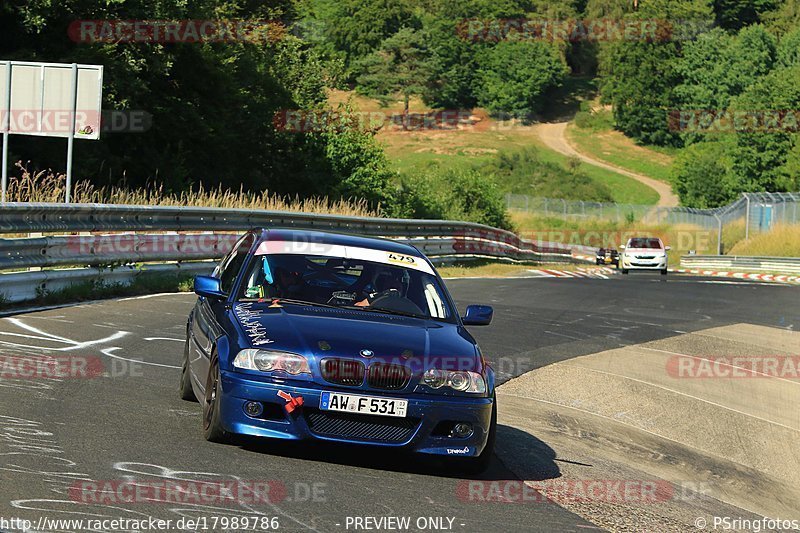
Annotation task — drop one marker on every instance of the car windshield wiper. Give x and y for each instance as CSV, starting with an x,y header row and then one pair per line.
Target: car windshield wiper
x,y
302,302
292,301
388,311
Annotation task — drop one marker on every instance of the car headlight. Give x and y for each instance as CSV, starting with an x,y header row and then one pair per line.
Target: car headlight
x,y
461,380
271,361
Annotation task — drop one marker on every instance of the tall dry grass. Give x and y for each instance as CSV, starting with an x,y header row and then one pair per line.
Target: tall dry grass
x,y
49,187
781,241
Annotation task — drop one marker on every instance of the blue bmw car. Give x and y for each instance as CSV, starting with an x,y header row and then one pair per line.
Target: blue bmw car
x,y
320,336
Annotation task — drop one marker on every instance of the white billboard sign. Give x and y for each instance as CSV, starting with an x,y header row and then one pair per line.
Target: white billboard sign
x,y
50,100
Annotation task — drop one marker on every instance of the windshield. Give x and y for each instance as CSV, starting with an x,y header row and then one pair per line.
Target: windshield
x,y
645,243
346,283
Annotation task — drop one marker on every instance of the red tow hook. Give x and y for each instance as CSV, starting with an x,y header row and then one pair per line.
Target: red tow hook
x,y
291,403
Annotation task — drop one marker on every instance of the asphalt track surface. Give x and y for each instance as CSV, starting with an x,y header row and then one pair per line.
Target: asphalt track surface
x,y
130,424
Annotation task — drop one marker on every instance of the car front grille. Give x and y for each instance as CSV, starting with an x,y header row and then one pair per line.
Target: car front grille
x,y
342,371
388,377
360,427
645,257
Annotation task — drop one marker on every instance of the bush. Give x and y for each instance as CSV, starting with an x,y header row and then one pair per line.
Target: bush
x,y
513,76
452,195
702,175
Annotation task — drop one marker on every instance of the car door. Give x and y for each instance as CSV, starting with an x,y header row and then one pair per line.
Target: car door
x,y
208,312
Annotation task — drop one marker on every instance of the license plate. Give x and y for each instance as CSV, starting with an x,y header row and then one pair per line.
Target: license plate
x,y
368,405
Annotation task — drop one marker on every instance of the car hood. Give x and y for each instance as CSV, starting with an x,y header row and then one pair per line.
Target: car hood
x,y
319,332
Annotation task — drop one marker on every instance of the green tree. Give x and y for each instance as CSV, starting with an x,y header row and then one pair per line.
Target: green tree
x,y
638,77
452,63
788,53
703,177
785,18
356,28
760,157
400,67
514,76
718,67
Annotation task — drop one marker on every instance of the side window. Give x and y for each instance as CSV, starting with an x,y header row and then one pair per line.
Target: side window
x,y
234,262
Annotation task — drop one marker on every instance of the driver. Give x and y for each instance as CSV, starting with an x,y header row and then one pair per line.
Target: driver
x,y
387,283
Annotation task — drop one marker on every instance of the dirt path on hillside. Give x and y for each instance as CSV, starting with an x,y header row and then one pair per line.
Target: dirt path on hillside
x,y
553,135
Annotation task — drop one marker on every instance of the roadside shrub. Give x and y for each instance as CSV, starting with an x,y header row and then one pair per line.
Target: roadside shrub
x,y
452,195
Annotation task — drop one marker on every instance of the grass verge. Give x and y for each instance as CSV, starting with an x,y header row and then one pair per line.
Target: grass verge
x,y
781,241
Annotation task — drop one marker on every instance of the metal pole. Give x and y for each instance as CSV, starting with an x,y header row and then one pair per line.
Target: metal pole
x,y
719,234
71,138
747,220
6,132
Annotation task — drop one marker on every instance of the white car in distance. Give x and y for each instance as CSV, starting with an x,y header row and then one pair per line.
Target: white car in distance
x,y
643,253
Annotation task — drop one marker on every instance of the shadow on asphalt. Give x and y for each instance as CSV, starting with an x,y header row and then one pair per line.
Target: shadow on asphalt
x,y
542,457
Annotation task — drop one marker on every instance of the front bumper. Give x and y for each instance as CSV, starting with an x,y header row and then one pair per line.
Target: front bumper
x,y
633,263
423,430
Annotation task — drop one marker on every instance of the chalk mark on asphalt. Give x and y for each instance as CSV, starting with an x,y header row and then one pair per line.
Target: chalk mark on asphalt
x,y
44,336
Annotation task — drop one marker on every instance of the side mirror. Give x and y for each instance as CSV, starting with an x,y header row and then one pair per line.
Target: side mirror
x,y
668,248
208,287
478,315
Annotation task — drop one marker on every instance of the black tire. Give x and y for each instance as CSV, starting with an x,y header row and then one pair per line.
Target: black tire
x,y
479,464
625,271
664,272
186,392
212,429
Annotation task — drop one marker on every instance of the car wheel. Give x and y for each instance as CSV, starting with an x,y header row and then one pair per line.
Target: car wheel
x,y
479,464
624,270
186,391
664,272
212,429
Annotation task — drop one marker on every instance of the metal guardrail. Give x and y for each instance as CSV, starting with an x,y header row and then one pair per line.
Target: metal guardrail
x,y
185,235
789,265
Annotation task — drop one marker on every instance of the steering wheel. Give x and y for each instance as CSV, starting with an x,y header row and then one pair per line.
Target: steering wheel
x,y
391,300
388,293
